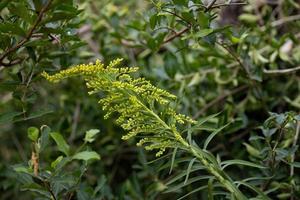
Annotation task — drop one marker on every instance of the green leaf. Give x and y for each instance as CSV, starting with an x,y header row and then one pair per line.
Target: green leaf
x,y
9,116
21,169
195,80
100,184
297,117
203,20
199,124
249,18
21,9
11,28
189,17
295,164
192,192
258,191
210,189
38,189
173,159
63,12
188,170
183,174
90,135
61,143
240,162
180,2
34,114
213,134
251,150
86,156
56,161
190,181
153,21
44,139
151,43
205,119
203,32
39,113
33,133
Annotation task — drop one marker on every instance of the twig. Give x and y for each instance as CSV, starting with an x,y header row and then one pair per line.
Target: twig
x,y
285,20
178,34
219,99
11,62
229,4
165,27
35,162
281,71
235,57
210,5
27,37
176,15
48,187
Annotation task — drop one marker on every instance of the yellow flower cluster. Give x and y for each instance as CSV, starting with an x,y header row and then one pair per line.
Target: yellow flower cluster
x,y
142,108
82,69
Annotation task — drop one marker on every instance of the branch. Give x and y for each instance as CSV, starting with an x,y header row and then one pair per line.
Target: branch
x,y
233,55
229,4
11,62
27,37
176,15
210,5
281,71
285,20
178,34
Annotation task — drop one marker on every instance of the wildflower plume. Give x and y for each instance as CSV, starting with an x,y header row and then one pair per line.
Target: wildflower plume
x,y
142,108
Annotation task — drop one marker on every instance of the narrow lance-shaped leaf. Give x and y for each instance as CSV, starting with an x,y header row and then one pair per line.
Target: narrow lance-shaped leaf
x,y
188,170
173,159
240,162
213,134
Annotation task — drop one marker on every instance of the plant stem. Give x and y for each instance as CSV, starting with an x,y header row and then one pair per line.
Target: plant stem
x,y
221,176
281,71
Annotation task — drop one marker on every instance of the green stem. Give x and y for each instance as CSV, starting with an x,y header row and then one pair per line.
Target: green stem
x,y
220,175
212,168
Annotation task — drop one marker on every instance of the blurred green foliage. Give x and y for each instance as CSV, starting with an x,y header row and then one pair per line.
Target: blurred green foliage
x,y
239,58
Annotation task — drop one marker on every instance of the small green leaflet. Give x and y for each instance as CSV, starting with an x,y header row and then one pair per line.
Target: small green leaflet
x,y
86,156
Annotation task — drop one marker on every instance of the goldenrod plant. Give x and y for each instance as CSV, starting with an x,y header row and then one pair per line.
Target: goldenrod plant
x,y
145,112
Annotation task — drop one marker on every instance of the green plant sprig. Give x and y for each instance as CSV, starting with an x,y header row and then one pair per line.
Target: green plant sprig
x,y
143,110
